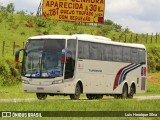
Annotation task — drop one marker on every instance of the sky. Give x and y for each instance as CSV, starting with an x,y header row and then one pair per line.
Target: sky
x,y
140,16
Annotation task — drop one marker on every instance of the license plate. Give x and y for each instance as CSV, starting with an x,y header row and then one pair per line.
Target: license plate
x,y
40,88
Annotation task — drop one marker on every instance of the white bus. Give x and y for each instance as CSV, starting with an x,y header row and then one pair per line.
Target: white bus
x,y
80,63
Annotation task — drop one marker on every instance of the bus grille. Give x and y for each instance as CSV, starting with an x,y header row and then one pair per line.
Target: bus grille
x,y
143,83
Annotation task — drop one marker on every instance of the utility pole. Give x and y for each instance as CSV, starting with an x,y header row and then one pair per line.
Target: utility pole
x,y
39,11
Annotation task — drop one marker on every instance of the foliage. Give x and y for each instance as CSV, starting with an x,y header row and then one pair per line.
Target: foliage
x,y
154,59
106,30
41,22
4,72
4,15
9,74
21,12
2,8
108,22
66,27
127,30
12,23
10,8
117,28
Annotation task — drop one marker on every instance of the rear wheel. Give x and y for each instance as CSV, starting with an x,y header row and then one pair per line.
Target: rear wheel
x,y
41,96
76,96
132,91
124,92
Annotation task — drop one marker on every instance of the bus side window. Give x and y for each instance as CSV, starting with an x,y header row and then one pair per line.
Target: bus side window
x,y
95,51
134,55
126,54
117,53
83,50
80,50
71,56
141,56
107,52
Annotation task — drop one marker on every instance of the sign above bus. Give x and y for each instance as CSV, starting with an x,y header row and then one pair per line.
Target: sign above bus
x,y
89,11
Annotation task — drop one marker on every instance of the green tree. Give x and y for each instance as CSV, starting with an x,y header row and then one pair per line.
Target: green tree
x,y
2,8
127,30
117,28
10,8
108,22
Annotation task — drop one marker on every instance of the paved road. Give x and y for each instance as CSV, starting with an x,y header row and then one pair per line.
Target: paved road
x,y
146,97
83,99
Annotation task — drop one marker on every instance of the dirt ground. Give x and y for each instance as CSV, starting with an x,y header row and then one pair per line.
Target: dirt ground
x,y
154,78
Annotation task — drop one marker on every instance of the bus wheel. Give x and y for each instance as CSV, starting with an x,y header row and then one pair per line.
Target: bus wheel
x,y
124,92
41,96
90,96
76,96
132,91
99,96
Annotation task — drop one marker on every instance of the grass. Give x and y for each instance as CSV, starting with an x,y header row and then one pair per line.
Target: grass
x,y
15,91
83,105
149,45
153,84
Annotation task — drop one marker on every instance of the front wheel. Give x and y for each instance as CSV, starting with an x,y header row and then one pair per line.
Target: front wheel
x,y
76,96
41,96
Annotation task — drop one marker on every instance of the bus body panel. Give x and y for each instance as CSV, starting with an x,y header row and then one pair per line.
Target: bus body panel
x,y
99,78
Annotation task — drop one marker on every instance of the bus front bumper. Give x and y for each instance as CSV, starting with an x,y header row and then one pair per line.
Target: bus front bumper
x,y
54,88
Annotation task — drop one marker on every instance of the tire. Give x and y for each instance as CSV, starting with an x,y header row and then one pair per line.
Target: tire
x,y
132,91
41,96
76,96
124,92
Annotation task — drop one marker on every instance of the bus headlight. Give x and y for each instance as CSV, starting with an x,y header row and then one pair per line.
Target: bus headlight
x,y
25,81
57,82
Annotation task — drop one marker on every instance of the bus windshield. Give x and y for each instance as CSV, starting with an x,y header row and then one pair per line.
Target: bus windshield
x,y
42,58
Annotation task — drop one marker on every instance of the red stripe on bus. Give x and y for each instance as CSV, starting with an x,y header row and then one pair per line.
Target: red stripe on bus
x,y
118,76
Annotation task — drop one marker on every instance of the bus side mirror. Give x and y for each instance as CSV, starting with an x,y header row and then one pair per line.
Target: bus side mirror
x,y
63,55
17,54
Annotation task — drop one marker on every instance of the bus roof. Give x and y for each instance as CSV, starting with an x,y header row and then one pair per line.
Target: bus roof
x,y
101,39
53,37
89,38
